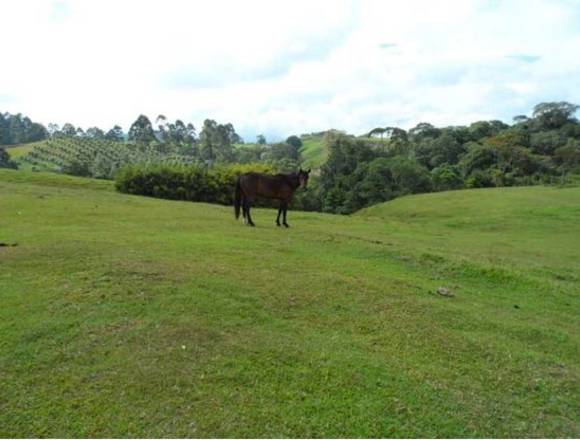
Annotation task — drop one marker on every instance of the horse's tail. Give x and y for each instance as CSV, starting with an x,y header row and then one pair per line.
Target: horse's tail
x,y
238,198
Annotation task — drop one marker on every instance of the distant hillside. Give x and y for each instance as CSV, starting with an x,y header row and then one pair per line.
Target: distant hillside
x,y
314,152
21,150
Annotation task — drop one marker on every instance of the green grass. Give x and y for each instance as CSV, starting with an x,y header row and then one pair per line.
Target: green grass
x,y
47,179
313,151
125,316
20,150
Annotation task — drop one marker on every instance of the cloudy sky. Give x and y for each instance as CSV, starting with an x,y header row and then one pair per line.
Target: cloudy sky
x,y
282,68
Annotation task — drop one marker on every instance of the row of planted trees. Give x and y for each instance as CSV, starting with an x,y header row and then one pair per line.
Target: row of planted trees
x,y
96,153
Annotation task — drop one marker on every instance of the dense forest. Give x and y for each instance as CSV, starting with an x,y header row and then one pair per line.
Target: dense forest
x,y
390,162
359,171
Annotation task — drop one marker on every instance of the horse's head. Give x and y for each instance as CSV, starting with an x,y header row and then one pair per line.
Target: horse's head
x,y
303,178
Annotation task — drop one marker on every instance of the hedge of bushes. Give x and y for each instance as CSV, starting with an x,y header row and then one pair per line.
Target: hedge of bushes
x,y
185,182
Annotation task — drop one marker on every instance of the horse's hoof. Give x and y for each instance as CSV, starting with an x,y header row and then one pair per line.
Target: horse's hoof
x,y
278,224
251,224
286,225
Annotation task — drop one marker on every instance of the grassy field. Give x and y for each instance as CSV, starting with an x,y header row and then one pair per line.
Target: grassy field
x,y
125,316
18,151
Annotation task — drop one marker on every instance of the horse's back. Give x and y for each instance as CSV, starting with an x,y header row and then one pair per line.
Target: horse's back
x,y
264,185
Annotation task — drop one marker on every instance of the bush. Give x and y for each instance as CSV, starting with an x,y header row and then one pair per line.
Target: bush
x,y
184,182
479,179
446,177
5,161
310,200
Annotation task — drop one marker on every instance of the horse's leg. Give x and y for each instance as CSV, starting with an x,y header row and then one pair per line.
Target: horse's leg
x,y
285,205
244,213
248,216
279,213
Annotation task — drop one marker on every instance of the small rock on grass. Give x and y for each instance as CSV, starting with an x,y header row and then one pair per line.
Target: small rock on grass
x,y
444,291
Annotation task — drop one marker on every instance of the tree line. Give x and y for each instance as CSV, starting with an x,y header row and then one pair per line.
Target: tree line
x,y
19,129
385,163
389,162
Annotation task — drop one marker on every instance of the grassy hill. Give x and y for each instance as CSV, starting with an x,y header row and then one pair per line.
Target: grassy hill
x,y
313,151
127,316
532,228
18,151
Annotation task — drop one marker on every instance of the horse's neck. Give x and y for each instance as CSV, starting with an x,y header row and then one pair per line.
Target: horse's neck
x,y
293,180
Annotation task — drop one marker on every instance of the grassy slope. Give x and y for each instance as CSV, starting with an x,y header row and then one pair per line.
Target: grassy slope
x,y
20,150
531,228
127,316
17,153
313,151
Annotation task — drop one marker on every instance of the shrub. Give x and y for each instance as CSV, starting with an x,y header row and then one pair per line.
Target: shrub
x,y
446,177
5,161
184,182
479,179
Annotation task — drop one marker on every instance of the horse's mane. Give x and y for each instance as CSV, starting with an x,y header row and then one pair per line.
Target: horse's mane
x,y
287,176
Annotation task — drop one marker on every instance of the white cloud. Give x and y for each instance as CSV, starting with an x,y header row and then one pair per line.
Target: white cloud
x,y
283,68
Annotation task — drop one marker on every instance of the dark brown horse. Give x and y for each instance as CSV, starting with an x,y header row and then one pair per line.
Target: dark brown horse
x,y
281,187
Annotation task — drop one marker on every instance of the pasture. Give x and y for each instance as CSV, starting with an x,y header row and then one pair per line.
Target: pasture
x,y
125,316
21,150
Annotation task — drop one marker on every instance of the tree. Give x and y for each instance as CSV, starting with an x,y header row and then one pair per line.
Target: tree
x,y
287,151
408,177
36,132
191,133
446,177
253,153
141,130
95,133
295,141
377,131
260,139
4,130
479,157
160,120
373,186
546,142
53,130
552,115
423,130
115,134
215,141
345,153
483,129
396,134
568,156
433,152
18,129
5,161
68,129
